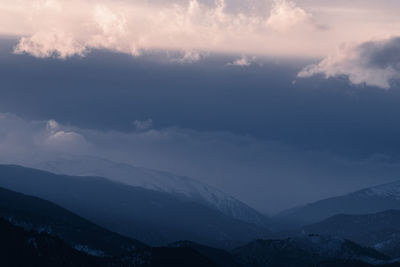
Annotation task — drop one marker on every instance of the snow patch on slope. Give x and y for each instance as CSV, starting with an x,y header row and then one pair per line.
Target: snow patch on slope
x,y
180,186
89,251
391,190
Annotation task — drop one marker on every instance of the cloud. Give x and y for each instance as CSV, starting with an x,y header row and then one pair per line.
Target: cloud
x,y
188,57
143,125
50,44
33,141
65,28
260,172
285,15
244,61
373,63
58,139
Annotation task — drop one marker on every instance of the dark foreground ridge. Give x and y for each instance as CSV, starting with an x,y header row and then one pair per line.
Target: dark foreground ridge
x,y
19,247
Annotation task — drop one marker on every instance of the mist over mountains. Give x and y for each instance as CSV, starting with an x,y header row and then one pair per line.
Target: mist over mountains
x,y
165,220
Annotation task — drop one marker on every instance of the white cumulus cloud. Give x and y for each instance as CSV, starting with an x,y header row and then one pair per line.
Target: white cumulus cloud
x,y
373,63
244,61
285,15
64,28
50,44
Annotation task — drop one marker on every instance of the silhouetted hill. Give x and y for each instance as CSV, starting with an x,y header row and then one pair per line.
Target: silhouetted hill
x,y
221,257
43,216
19,247
26,248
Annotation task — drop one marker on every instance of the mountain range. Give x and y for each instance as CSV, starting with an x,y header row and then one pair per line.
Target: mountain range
x,y
370,217
60,220
153,217
36,232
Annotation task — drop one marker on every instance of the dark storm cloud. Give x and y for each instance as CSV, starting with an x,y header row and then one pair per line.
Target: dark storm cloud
x,y
381,54
110,91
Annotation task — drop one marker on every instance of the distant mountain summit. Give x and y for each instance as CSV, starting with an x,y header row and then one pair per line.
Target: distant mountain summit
x,y
179,186
370,200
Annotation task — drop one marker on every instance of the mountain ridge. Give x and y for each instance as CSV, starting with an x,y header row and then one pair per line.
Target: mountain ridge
x,y
155,218
179,186
368,200
33,213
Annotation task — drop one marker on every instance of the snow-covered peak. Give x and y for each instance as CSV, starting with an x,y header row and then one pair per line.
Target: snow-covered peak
x,y
391,190
179,186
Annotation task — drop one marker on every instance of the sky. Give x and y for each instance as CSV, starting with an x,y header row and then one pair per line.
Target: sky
x,y
278,103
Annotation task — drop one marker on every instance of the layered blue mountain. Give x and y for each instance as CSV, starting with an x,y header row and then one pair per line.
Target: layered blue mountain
x,y
42,216
36,232
369,200
153,217
178,186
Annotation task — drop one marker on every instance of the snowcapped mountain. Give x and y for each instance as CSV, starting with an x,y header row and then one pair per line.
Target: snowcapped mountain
x,y
179,186
370,200
390,190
